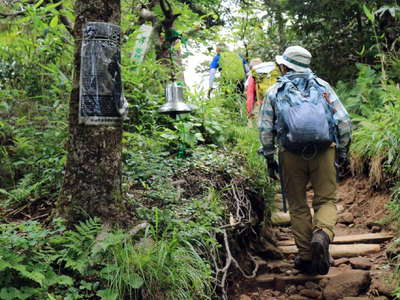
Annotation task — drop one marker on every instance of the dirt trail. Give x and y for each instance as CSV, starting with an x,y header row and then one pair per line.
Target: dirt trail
x,y
360,270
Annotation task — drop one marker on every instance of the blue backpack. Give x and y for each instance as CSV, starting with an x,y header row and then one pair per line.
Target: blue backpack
x,y
305,123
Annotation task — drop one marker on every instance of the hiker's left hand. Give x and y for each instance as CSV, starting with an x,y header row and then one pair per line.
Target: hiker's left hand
x,y
342,167
273,167
209,92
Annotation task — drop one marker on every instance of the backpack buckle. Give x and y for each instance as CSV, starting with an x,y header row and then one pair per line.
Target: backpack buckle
x,y
309,152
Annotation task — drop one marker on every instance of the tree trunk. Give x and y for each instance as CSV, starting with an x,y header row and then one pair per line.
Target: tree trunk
x,y
92,182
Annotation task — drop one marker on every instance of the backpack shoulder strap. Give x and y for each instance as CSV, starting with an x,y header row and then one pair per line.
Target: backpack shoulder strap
x,y
326,94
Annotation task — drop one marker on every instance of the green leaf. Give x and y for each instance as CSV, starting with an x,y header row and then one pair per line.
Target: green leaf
x,y
35,276
54,5
107,294
133,280
362,51
4,265
51,297
11,293
65,280
37,4
368,13
199,136
54,22
108,272
169,136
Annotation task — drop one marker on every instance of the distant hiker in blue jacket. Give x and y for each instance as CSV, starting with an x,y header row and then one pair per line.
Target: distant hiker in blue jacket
x,y
232,66
306,119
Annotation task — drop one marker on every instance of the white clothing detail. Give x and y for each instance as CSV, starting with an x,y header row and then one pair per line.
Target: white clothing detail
x,y
213,71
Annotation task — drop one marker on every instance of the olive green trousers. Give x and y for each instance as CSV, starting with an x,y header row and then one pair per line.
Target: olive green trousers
x,y
297,173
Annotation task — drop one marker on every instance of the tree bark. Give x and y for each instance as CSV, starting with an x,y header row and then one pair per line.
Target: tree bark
x,y
92,181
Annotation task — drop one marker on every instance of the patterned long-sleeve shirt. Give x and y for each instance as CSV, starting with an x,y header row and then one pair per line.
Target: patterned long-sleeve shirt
x,y
267,122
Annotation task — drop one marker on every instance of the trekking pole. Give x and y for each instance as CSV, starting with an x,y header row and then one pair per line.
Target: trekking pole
x,y
337,165
283,190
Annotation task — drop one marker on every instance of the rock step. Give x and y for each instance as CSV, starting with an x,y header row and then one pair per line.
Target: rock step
x,y
349,239
338,251
272,279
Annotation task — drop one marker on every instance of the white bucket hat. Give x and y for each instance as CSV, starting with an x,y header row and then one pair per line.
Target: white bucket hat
x,y
296,58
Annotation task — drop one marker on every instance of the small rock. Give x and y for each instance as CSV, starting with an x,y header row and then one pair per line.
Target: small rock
x,y
361,225
339,208
349,200
266,298
267,293
279,266
382,282
372,224
261,297
355,211
348,284
311,293
346,218
276,293
376,229
244,297
351,225
360,186
291,290
341,226
362,263
345,267
311,285
298,297
295,271
339,261
300,287
323,282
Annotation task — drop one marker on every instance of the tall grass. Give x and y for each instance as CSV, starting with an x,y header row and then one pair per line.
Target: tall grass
x,y
163,269
376,144
374,103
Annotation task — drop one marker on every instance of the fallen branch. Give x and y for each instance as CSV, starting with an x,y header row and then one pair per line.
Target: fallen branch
x,y
138,227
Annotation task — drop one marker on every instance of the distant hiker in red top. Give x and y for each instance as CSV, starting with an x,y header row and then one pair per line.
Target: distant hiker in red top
x,y
260,78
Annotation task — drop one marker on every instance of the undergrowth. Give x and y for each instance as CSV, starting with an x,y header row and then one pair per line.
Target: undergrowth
x,y
374,107
40,263
374,103
176,181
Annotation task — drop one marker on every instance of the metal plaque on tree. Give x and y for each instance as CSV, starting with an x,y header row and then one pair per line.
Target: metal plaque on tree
x,y
100,78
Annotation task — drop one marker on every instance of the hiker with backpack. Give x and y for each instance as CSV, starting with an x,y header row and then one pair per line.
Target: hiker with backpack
x,y
232,66
261,77
308,121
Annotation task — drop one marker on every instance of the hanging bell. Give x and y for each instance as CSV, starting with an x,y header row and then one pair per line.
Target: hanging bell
x,y
175,104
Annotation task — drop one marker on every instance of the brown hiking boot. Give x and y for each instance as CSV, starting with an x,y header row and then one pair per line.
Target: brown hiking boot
x,y
320,252
304,266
